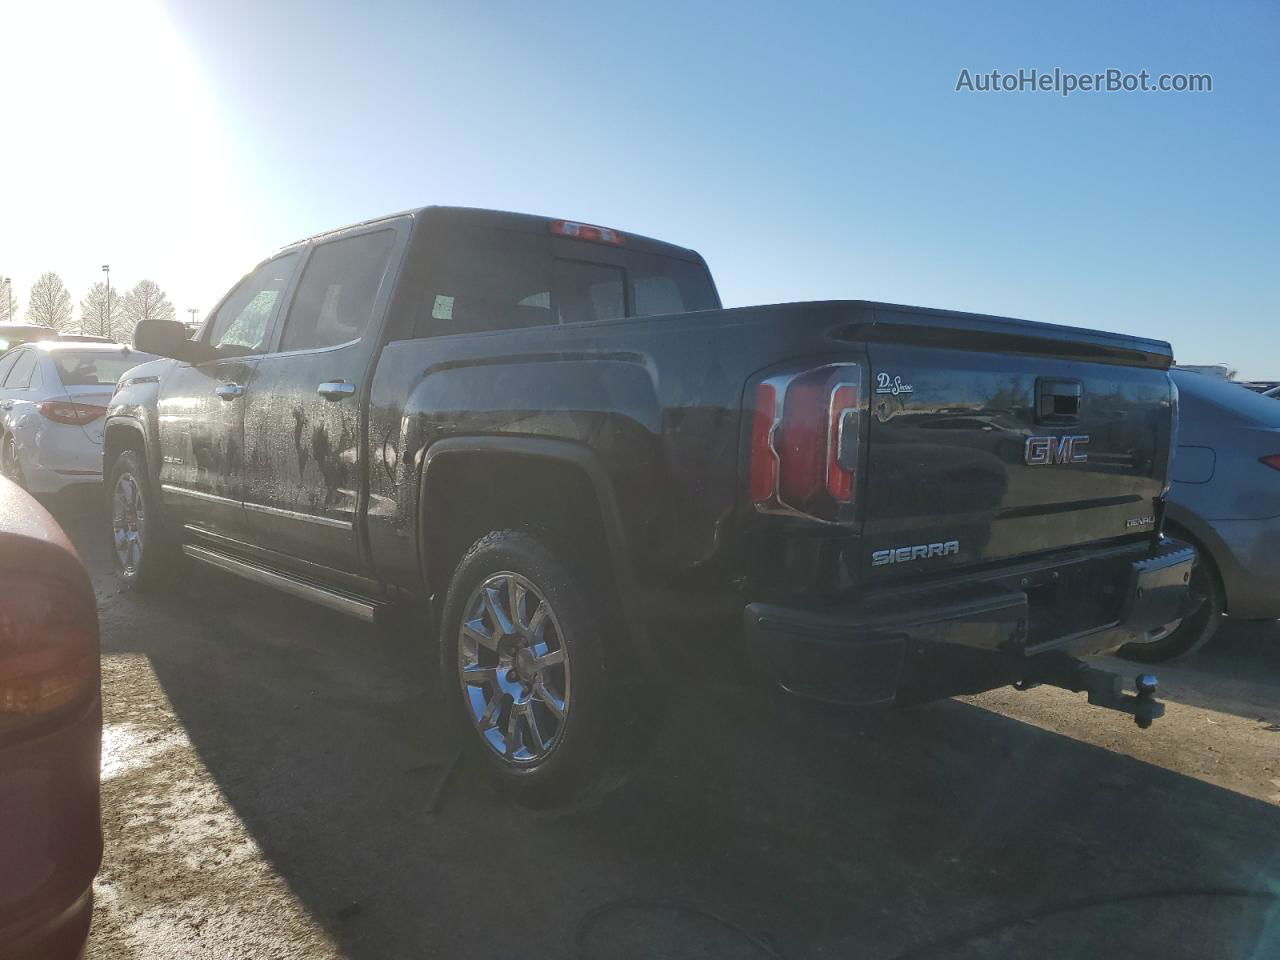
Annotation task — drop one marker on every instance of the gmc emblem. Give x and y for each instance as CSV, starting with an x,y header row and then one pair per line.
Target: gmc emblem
x,y
1042,451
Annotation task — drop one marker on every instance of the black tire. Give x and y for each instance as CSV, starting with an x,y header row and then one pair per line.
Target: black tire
x,y
1194,631
156,555
584,747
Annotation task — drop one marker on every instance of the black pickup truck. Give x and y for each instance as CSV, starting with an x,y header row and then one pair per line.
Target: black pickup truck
x,y
549,439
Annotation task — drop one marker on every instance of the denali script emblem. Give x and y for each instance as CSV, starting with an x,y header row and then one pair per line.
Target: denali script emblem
x,y
918,552
1139,521
1041,451
892,385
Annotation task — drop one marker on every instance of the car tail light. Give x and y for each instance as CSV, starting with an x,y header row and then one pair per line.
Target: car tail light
x,y
586,231
1272,461
805,432
48,646
68,411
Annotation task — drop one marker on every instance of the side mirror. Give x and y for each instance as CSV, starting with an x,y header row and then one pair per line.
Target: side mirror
x,y
168,338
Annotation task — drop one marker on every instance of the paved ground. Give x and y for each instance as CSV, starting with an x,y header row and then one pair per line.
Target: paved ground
x,y
269,767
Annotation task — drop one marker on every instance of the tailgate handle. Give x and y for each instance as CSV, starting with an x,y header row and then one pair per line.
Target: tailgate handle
x,y
1058,401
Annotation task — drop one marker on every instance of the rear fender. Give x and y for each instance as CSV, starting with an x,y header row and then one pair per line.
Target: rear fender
x,y
580,459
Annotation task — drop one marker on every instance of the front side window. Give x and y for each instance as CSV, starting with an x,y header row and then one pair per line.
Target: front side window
x,y
242,323
338,291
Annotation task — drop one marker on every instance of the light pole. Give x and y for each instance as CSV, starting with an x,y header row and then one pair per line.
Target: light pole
x,y
106,268
8,289
193,311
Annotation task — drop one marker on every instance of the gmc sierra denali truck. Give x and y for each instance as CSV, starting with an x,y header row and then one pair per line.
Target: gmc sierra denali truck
x,y
550,440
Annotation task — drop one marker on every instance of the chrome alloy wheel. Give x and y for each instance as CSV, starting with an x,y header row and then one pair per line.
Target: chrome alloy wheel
x,y
513,668
128,523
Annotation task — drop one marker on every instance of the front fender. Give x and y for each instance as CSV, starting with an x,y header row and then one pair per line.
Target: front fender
x,y
133,408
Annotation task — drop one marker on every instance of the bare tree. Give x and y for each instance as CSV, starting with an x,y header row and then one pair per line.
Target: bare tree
x,y
50,302
104,318
146,301
8,303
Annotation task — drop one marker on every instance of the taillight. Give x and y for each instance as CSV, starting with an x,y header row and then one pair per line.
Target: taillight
x,y
586,231
764,463
1272,461
805,442
68,411
48,647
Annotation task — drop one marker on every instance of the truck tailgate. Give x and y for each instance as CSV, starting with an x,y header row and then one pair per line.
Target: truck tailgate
x,y
977,454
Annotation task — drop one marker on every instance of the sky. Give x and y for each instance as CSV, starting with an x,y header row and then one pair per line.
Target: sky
x,y
808,151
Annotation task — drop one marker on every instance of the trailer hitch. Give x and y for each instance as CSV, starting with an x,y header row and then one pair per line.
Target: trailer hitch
x,y
1105,689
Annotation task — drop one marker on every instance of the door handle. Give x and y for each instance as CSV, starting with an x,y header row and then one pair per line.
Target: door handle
x,y
7,405
228,391
336,389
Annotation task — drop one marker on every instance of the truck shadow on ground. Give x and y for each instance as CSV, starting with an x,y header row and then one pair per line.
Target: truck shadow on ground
x,y
744,833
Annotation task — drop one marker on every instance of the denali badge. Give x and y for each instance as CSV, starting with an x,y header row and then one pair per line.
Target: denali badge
x,y
1042,451
919,552
1139,521
892,385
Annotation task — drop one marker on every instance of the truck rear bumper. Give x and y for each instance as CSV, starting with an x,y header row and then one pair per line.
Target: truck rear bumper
x,y
968,637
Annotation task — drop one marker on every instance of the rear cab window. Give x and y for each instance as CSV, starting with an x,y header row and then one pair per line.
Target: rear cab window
x,y
482,278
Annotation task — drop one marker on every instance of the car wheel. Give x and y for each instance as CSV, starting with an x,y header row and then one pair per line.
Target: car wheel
x,y
1184,637
524,663
9,462
141,550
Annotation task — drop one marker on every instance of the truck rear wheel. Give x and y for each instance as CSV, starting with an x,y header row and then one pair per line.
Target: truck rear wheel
x,y
524,667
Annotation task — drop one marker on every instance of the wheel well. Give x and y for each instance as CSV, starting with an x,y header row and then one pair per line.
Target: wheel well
x,y
466,495
1204,555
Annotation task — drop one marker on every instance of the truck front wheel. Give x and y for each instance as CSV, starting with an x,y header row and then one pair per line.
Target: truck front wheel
x,y
524,666
144,555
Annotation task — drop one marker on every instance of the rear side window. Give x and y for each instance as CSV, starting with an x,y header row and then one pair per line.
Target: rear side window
x,y
20,375
338,291
6,364
486,279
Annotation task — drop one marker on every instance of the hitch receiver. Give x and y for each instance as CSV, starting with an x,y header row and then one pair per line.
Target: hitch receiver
x,y
1106,689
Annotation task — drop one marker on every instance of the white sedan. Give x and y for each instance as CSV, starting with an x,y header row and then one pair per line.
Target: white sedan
x,y
53,396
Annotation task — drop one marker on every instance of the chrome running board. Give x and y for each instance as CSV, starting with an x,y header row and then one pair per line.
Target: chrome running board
x,y
294,586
